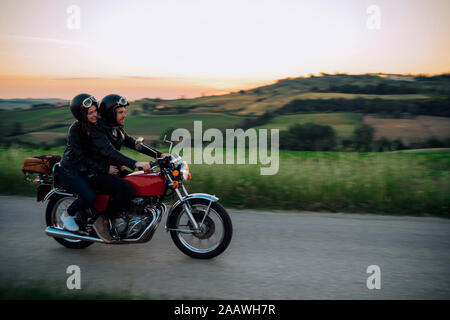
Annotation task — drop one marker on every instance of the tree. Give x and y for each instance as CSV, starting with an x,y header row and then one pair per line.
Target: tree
x,y
309,137
363,136
383,144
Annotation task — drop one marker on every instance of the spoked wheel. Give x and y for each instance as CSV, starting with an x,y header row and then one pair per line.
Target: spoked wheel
x,y
55,207
214,235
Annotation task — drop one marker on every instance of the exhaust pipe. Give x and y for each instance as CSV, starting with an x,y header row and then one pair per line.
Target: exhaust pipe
x,y
58,233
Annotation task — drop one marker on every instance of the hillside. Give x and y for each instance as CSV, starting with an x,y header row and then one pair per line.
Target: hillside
x,y
342,101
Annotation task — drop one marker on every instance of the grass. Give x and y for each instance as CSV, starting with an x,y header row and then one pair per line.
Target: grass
x,y
410,184
342,122
35,122
154,125
399,183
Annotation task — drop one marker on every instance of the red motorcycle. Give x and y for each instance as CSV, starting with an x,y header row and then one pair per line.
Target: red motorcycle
x,y
199,226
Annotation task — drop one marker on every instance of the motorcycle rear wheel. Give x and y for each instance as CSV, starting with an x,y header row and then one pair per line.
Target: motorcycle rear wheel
x,y
216,232
57,205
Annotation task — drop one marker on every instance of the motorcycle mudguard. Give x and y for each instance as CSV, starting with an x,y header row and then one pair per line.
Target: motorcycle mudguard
x,y
189,197
42,191
57,191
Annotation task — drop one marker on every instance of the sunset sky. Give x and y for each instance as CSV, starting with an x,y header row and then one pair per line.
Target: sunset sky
x,y
174,48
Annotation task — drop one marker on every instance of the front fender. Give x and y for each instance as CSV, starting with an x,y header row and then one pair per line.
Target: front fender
x,y
206,196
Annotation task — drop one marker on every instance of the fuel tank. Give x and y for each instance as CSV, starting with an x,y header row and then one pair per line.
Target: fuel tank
x,y
146,183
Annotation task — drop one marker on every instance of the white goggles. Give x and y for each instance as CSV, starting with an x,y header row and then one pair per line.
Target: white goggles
x,y
122,102
89,101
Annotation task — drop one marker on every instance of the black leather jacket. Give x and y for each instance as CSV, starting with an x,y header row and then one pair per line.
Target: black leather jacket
x,y
76,156
105,143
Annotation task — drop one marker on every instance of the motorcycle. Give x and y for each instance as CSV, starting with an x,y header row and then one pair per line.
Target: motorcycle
x,y
198,224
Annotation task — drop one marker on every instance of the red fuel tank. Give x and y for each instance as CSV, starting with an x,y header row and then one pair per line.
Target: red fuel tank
x,y
147,183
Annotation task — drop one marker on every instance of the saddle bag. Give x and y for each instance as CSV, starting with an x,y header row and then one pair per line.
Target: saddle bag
x,y
40,164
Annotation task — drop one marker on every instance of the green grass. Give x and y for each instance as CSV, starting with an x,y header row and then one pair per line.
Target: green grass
x,y
342,122
411,184
149,126
154,125
389,183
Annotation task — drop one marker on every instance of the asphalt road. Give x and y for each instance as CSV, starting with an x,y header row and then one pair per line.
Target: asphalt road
x,y
279,255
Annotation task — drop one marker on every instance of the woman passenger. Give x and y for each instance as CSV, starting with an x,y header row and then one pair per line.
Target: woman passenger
x,y
76,165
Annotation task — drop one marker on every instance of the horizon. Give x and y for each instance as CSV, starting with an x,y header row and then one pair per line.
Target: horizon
x,y
320,74
179,49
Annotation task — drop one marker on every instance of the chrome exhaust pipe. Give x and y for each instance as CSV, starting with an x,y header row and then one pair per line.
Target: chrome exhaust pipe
x,y
59,233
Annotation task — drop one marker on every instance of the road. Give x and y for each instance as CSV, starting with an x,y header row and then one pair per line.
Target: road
x,y
273,255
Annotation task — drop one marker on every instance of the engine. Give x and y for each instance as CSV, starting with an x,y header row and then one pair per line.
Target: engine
x,y
141,212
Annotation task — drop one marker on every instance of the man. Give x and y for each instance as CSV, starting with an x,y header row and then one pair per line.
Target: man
x,y
106,140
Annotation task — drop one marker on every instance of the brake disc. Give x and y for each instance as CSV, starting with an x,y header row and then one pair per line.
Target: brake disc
x,y
208,226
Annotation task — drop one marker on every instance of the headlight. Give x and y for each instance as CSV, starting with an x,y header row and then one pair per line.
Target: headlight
x,y
176,160
184,169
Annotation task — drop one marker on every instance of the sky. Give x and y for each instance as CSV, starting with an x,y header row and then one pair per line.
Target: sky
x,y
190,48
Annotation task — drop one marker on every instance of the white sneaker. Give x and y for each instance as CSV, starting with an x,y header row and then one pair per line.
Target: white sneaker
x,y
69,223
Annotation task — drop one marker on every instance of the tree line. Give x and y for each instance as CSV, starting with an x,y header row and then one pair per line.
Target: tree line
x,y
316,137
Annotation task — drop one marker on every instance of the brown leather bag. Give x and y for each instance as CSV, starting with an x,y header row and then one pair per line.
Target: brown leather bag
x,y
40,164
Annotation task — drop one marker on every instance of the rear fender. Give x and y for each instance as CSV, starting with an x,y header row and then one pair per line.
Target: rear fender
x,y
56,191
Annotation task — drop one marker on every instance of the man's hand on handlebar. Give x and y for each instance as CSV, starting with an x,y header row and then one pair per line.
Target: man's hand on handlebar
x,y
164,155
113,170
143,165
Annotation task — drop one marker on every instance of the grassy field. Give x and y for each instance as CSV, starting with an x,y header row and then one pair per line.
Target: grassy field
x,y
403,183
49,124
250,103
410,130
342,122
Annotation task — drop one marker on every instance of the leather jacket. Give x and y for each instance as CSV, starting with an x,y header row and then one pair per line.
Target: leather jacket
x,y
105,144
75,157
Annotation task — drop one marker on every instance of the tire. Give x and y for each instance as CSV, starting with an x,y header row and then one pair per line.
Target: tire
x,y
217,219
54,204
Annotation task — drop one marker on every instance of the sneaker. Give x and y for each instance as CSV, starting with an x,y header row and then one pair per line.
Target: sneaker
x,y
101,227
69,223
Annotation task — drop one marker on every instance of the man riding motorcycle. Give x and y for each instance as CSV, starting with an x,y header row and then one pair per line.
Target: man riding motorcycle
x,y
106,140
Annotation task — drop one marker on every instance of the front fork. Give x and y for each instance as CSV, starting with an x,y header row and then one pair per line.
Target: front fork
x,y
187,207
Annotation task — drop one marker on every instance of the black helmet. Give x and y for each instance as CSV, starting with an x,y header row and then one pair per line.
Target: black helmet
x,y
108,106
81,103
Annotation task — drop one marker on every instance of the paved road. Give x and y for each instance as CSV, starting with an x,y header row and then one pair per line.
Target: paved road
x,y
272,256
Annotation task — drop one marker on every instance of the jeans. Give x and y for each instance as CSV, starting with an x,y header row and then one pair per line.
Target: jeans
x,y
120,192
77,182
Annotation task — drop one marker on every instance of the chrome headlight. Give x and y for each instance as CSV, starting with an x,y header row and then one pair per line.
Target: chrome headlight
x,y
184,169
176,160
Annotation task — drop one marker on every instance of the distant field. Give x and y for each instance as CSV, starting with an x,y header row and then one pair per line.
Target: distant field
x,y
251,103
410,130
342,122
149,126
152,126
151,116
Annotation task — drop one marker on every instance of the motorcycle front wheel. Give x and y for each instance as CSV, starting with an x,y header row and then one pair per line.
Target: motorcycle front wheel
x,y
215,234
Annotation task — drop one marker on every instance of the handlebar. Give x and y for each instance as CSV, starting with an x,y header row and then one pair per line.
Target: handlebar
x,y
153,165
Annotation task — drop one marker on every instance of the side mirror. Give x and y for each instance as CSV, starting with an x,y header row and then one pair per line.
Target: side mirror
x,y
138,143
168,141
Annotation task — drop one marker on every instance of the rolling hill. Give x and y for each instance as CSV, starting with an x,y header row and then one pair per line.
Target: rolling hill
x,y
406,107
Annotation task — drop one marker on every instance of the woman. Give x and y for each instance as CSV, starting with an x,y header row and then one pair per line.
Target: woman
x,y
76,166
